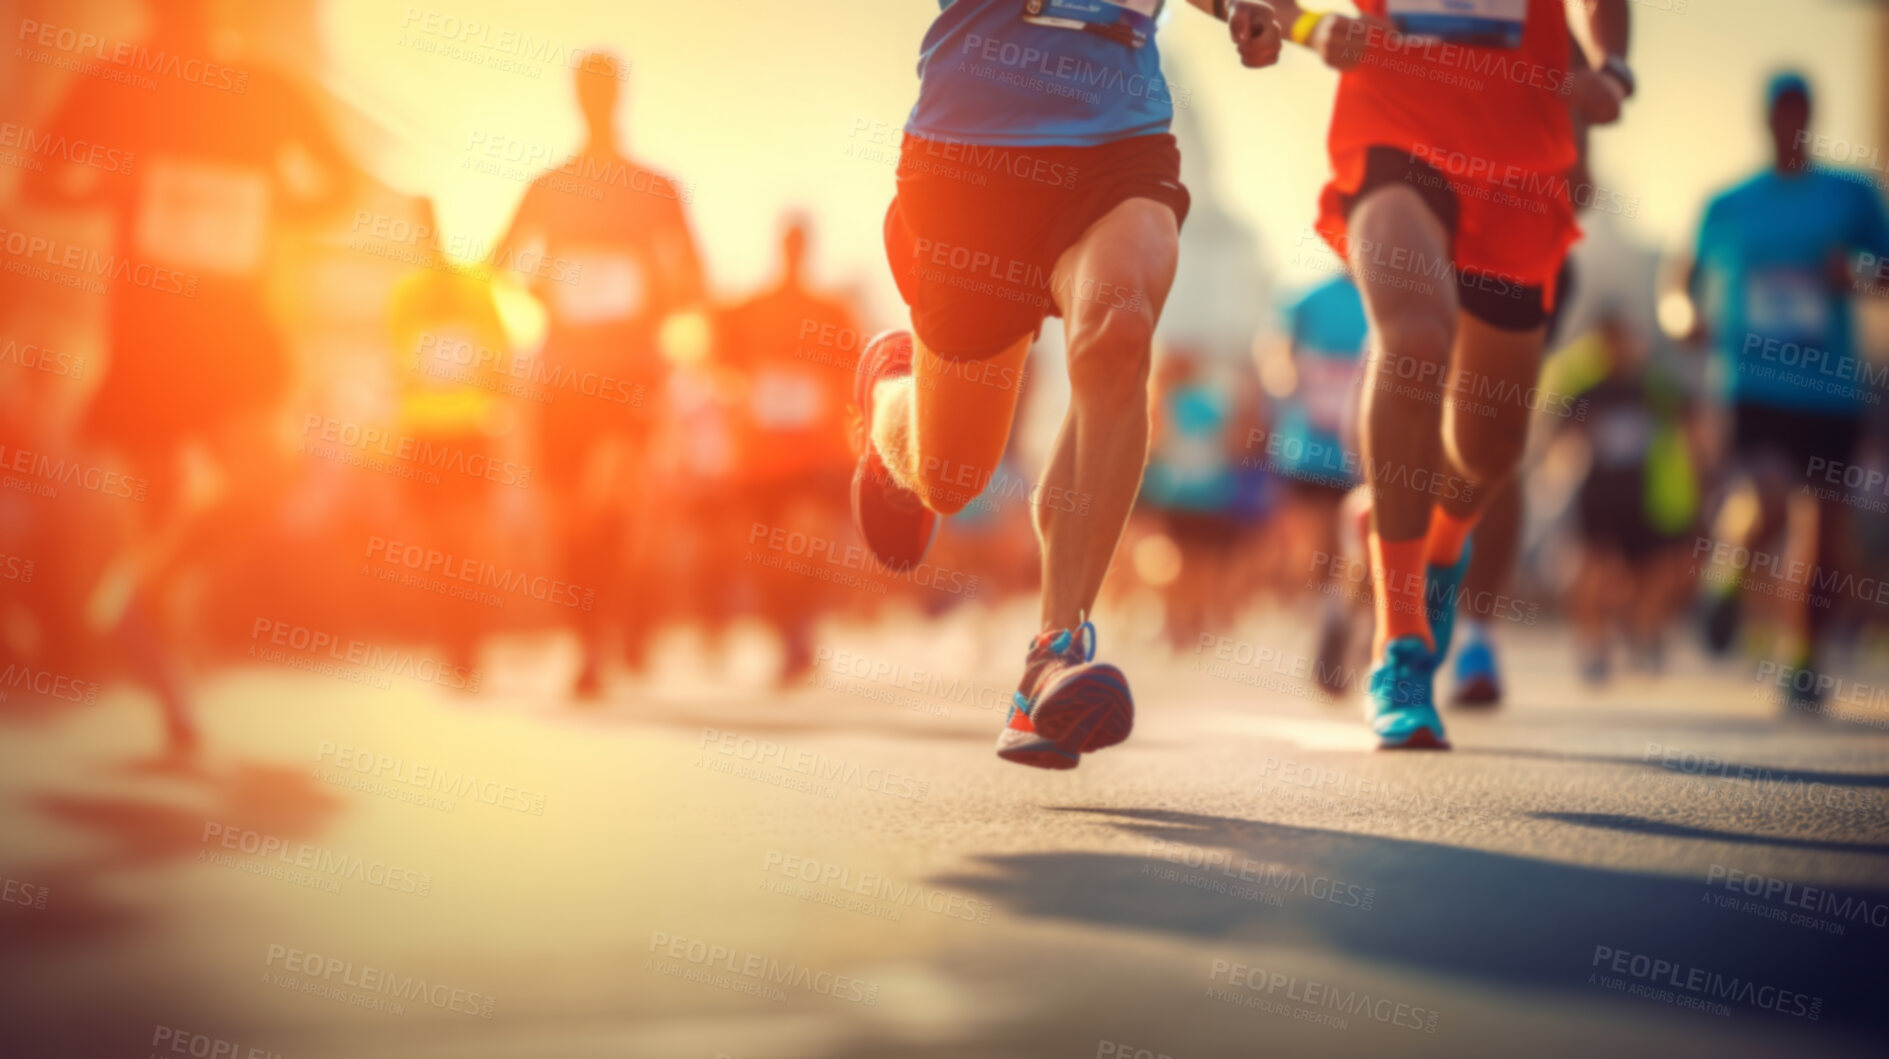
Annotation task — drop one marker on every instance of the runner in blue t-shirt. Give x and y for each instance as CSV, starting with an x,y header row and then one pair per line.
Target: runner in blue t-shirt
x,y
1037,178
1312,448
1779,259
1327,330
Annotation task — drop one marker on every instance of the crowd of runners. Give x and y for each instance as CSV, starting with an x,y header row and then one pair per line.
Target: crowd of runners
x,y
1453,201
576,431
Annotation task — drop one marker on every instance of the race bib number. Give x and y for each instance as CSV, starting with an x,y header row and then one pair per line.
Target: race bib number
x,y
1788,303
1128,21
203,217
784,401
1472,23
609,287
1327,388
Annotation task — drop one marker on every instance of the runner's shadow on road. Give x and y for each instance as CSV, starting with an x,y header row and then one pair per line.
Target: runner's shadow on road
x,y
1492,919
92,891
1727,771
1585,715
1640,825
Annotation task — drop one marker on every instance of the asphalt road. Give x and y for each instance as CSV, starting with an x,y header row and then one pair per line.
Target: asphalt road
x,y
703,866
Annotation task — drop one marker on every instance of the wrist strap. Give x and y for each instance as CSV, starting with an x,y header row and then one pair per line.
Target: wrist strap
x,y
1305,25
1617,68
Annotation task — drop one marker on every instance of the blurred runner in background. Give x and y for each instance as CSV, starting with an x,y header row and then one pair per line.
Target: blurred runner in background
x,y
198,369
1313,447
1189,488
605,244
450,344
1774,274
793,350
1637,508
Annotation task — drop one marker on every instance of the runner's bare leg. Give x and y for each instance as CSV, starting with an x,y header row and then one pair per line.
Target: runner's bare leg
x,y
1111,286
1485,424
1413,330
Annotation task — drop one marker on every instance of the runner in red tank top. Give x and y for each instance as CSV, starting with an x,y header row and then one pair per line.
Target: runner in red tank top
x,y
1451,143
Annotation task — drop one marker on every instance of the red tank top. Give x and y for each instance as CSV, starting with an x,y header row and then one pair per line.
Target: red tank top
x,y
1454,93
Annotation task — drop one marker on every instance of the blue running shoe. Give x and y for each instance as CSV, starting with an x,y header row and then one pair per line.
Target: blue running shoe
x,y
1441,586
1401,706
1478,681
1067,704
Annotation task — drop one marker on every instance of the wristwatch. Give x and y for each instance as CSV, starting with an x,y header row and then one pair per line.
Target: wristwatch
x,y
1617,68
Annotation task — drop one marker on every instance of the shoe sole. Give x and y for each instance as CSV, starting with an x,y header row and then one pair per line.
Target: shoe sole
x,y
1421,739
1087,708
872,484
1477,692
1039,753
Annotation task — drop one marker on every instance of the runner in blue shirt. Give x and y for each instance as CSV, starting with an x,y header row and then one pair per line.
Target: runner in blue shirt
x,y
1037,178
1779,260
1327,330
1312,447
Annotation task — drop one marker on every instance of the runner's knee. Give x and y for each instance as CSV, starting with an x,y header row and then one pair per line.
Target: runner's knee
x,y
1487,450
1109,357
1415,345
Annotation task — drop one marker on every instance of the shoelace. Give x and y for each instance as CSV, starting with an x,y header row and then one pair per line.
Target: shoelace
x,y
1059,645
1064,637
1405,660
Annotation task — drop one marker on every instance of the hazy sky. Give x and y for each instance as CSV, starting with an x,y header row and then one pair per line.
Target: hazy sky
x,y
757,104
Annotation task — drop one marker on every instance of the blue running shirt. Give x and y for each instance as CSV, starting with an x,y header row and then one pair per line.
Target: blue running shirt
x,y
1189,469
1328,331
1041,73
1781,326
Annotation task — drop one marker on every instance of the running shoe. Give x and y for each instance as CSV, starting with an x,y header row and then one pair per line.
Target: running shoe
x,y
1067,704
890,518
1478,681
1401,705
1441,587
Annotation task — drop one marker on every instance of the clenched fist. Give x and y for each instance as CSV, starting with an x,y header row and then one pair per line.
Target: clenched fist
x,y
1255,32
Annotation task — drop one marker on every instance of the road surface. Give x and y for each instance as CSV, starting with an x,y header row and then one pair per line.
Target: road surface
x,y
366,867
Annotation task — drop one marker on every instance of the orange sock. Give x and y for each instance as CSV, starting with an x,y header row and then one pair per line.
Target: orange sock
x,y
1397,580
1448,534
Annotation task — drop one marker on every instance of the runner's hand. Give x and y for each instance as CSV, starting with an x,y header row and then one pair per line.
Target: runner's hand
x,y
1596,97
1256,32
1341,40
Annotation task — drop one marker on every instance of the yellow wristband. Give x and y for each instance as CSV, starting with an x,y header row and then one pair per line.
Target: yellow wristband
x,y
1306,25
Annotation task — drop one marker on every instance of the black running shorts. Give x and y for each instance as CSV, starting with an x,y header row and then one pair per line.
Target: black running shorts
x,y
1798,437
